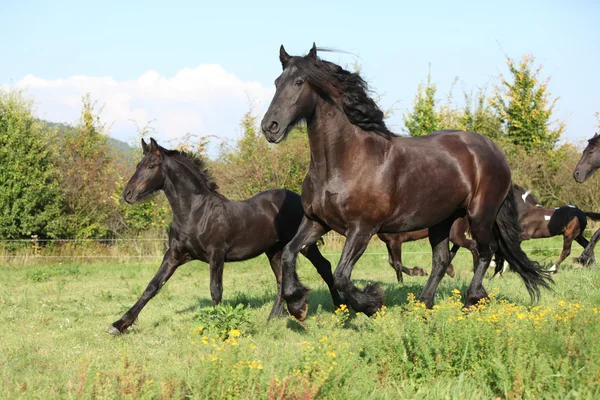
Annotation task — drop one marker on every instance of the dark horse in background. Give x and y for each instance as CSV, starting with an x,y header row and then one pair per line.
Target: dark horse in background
x,y
394,242
363,180
539,222
587,165
209,227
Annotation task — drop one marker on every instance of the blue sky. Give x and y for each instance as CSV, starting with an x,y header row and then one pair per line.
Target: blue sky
x,y
192,65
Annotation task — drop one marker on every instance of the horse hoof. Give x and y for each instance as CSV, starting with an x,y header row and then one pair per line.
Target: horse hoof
x,y
450,271
301,314
113,331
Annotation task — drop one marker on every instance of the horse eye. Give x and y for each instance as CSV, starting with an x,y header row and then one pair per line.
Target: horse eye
x,y
151,166
299,81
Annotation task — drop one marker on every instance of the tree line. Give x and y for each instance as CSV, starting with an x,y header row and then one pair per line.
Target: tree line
x,y
65,181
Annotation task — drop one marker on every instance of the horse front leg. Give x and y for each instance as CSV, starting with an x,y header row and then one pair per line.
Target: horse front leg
x,y
171,261
294,292
216,263
370,299
587,257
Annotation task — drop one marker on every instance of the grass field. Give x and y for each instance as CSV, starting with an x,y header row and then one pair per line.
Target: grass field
x,y
54,316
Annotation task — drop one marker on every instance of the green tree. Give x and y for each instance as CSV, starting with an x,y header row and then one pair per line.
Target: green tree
x,y
252,165
29,192
424,117
87,176
525,106
477,115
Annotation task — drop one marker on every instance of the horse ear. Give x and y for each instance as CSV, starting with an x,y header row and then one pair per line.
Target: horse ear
x,y
284,57
595,135
313,52
145,147
154,147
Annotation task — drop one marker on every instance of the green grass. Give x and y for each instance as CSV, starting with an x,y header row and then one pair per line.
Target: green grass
x,y
53,342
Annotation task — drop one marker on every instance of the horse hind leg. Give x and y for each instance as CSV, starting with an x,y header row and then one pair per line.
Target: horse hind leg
x,y
323,267
274,256
481,229
569,235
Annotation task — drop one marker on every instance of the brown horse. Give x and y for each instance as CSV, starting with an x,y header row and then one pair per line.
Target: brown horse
x,y
363,180
539,222
394,246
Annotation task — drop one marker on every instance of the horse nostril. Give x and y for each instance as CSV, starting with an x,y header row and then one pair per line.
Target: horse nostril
x,y
273,127
127,194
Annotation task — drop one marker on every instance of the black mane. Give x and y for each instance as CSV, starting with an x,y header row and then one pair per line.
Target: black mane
x,y
347,89
197,165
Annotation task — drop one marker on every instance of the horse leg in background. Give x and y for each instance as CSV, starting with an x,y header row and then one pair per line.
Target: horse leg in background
x,y
450,270
458,237
439,240
294,292
171,261
274,257
569,235
393,243
395,259
587,257
323,267
370,299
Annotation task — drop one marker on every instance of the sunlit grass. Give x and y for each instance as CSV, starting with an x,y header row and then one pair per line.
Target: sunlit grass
x,y
54,316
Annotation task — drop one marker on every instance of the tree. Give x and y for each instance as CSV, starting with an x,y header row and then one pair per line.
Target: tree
x,y
478,116
87,176
29,192
424,118
252,165
525,106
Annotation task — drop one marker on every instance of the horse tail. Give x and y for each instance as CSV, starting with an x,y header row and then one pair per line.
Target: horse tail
x,y
593,216
507,232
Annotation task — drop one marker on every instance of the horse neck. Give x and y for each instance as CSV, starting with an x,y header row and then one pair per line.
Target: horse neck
x,y
185,191
332,137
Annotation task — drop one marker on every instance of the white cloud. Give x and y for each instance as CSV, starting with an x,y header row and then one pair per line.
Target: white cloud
x,y
206,100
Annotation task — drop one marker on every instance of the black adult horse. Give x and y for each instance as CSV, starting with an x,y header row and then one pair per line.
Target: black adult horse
x,y
209,227
587,165
363,179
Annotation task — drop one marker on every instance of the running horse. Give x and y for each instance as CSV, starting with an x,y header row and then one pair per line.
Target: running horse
x,y
363,180
540,222
211,228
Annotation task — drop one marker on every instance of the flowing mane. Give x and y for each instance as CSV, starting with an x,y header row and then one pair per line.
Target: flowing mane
x,y
196,164
345,88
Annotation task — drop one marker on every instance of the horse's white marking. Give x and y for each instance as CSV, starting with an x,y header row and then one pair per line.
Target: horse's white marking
x,y
524,196
505,267
303,247
568,205
552,268
547,217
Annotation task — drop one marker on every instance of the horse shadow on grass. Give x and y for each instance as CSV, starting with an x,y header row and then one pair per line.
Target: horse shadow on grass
x,y
396,294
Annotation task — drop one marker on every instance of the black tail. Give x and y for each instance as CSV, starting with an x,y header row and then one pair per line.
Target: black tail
x,y
507,232
593,216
